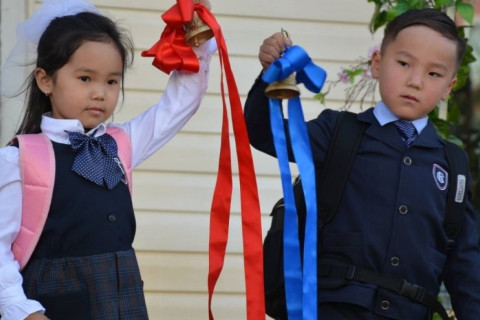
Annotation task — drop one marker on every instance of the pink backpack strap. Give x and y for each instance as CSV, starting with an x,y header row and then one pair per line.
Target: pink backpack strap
x,y
124,151
37,170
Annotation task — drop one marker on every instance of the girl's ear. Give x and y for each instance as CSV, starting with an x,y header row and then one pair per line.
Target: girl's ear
x,y
375,64
44,81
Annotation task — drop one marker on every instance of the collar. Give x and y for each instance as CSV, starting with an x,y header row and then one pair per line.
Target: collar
x,y
384,116
55,128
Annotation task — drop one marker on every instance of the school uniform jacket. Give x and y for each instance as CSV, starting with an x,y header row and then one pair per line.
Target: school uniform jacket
x,y
390,216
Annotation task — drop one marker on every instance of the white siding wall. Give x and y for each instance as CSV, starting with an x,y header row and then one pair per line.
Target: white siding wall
x,y
173,189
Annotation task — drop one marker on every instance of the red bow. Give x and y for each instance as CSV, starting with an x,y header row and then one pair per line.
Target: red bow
x,y
171,53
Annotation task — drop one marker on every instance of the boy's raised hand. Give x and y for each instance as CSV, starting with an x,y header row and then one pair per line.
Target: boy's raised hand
x,y
272,48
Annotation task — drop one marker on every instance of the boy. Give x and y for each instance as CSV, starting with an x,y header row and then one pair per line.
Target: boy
x,y
390,218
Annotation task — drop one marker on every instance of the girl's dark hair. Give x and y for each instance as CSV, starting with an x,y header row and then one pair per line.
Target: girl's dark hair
x,y
431,18
63,36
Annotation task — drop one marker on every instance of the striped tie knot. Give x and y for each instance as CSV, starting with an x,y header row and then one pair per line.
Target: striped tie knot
x,y
407,131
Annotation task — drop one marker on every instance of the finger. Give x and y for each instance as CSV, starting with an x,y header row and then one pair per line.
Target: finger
x,y
272,49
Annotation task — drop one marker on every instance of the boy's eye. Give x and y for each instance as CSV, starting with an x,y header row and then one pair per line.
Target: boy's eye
x,y
403,63
84,78
435,74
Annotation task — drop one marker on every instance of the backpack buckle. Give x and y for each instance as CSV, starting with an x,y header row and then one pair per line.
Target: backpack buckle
x,y
412,291
450,245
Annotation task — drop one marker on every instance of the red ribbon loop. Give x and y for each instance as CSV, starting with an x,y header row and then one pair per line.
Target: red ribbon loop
x,y
171,52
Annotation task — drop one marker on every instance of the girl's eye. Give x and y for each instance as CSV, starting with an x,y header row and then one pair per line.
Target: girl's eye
x,y
403,63
112,82
85,79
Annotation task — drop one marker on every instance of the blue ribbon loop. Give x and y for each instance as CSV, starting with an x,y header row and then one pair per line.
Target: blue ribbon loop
x,y
300,284
296,59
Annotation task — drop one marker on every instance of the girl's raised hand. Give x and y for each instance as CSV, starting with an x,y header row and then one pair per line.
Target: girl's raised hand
x,y
272,48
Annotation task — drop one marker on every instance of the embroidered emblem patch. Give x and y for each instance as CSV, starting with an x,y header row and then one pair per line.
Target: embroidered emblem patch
x,y
440,176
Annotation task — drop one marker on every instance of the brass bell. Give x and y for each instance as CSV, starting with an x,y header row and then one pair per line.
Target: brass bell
x,y
283,89
197,32
286,88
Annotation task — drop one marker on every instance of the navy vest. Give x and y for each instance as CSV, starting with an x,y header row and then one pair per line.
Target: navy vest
x,y
84,218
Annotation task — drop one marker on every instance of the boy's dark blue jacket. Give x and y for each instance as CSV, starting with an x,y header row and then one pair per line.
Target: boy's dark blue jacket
x,y
390,216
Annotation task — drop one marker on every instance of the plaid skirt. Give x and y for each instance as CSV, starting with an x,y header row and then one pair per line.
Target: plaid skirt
x,y
99,287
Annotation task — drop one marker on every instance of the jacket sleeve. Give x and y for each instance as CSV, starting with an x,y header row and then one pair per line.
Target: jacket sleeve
x,y
257,118
153,128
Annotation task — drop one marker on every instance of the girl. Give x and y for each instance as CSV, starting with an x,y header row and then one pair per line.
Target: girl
x,y
83,265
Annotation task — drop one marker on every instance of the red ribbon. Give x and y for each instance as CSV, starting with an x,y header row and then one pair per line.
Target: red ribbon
x,y
221,203
171,52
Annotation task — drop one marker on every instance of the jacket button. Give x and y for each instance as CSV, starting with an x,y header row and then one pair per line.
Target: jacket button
x,y
112,218
407,161
385,305
395,261
403,209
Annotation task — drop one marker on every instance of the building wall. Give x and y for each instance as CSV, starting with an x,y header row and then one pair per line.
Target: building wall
x,y
173,189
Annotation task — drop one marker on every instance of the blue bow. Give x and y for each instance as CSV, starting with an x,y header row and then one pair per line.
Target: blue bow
x,y
96,158
296,59
300,284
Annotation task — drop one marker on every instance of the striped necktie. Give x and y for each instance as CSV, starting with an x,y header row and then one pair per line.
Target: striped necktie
x,y
407,131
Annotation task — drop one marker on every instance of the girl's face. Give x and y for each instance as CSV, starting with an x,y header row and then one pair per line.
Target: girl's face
x,y
87,87
416,71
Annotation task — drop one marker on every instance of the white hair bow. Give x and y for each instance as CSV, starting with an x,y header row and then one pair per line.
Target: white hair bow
x,y
22,58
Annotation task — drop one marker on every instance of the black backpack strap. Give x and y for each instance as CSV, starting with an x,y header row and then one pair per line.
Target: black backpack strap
x,y
346,137
457,179
397,285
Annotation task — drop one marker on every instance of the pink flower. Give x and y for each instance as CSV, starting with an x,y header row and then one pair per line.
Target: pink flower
x,y
367,74
343,76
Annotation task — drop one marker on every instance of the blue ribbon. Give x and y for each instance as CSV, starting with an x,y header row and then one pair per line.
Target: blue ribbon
x,y
300,285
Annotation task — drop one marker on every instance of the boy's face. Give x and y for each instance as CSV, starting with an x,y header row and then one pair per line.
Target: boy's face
x,y
415,71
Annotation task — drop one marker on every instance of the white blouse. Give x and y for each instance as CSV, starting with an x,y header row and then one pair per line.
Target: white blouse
x,y
148,132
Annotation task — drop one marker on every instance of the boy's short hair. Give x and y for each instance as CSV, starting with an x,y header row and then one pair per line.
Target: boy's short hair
x,y
431,18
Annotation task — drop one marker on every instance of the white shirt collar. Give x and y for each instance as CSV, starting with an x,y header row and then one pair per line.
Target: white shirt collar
x,y
55,128
385,116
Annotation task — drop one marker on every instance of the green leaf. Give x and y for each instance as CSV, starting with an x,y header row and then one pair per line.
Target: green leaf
x,y
466,11
439,4
396,10
453,113
378,21
321,97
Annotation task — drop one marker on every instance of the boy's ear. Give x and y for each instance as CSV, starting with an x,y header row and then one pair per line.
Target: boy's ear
x,y
449,88
375,64
44,81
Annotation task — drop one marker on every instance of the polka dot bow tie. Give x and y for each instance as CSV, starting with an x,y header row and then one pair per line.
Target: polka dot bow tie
x,y
96,158
407,131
